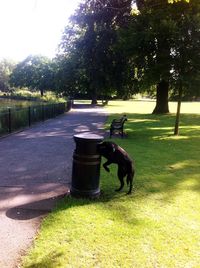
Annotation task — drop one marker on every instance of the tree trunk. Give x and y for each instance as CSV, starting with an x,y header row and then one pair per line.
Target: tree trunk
x,y
94,101
162,106
41,92
176,128
94,96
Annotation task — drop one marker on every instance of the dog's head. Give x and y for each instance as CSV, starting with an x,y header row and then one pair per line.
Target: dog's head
x,y
106,147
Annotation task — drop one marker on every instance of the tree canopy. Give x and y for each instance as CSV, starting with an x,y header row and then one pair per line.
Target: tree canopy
x,y
90,40
34,72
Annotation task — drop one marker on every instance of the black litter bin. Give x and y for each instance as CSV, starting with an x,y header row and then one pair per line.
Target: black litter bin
x,y
86,166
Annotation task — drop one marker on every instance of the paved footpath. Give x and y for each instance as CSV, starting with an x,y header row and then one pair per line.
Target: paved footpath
x,y
35,170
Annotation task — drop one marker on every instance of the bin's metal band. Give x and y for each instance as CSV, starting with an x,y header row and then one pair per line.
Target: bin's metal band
x,y
86,163
86,156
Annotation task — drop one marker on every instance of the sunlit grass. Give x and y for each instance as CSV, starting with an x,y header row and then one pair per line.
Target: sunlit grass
x,y
157,226
147,106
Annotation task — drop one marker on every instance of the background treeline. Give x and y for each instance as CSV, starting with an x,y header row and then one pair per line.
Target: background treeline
x,y
119,48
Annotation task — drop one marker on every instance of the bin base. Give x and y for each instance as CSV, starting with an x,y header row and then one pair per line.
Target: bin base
x,y
85,193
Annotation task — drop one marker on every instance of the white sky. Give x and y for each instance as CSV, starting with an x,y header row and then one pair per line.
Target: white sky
x,y
32,26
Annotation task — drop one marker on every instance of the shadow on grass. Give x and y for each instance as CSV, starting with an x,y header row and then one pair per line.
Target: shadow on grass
x,y
149,124
163,161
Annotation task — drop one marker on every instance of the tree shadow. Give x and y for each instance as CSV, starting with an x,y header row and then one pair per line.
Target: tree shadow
x,y
160,155
163,161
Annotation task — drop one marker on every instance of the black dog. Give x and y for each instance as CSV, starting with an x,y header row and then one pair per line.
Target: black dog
x,y
115,154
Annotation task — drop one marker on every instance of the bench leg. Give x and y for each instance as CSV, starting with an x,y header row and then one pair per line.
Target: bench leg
x,y
111,133
122,133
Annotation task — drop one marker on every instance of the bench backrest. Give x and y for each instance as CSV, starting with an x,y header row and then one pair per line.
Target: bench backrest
x,y
120,121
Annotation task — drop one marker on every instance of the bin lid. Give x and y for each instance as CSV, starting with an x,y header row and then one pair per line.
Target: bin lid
x,y
88,136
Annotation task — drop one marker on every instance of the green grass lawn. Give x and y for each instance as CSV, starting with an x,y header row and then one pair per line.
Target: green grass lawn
x,y
157,226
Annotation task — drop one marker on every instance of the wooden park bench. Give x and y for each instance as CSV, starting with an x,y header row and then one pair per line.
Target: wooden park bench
x,y
117,125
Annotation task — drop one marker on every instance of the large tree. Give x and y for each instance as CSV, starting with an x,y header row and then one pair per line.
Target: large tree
x,y
35,72
161,37
70,79
91,36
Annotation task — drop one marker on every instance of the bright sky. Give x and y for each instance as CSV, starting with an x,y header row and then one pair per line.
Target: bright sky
x,y
32,26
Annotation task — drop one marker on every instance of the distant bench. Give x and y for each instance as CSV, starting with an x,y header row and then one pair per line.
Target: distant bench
x,y
117,125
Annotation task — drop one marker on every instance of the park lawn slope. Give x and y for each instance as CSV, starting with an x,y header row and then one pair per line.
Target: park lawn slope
x,y
157,226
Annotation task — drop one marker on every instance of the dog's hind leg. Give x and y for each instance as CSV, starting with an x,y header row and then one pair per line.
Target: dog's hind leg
x,y
129,180
121,174
130,176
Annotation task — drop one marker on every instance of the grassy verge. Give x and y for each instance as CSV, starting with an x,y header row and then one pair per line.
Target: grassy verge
x,y
157,226
26,94
24,98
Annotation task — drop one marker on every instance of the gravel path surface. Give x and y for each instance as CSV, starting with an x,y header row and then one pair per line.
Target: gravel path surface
x,y
35,170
